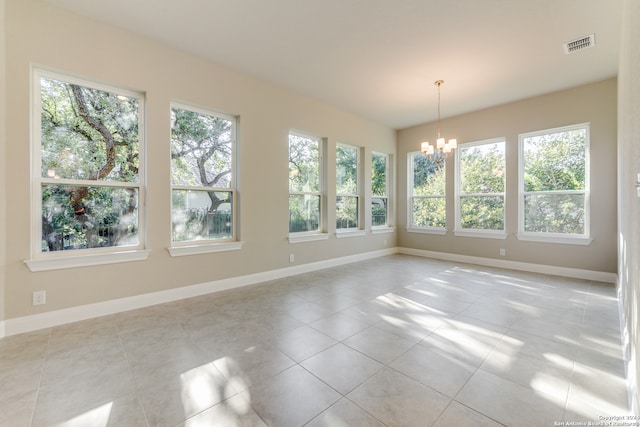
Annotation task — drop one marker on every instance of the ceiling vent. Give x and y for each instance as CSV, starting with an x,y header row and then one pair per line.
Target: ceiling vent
x,y
579,44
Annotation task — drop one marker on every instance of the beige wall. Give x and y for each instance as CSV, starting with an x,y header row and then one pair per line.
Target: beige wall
x,y
3,157
628,200
40,34
594,103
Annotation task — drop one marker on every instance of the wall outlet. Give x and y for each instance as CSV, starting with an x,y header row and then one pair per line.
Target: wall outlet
x,y
503,252
39,297
292,258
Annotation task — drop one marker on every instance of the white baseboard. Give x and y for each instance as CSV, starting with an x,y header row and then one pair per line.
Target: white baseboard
x,y
576,273
74,314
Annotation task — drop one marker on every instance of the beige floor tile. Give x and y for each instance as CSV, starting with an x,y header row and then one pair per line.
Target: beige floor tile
x,y
380,345
290,398
461,416
398,400
342,367
345,414
303,342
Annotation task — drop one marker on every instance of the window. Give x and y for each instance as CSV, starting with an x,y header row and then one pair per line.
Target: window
x,y
427,182
481,187
305,190
347,186
554,184
379,190
202,176
88,166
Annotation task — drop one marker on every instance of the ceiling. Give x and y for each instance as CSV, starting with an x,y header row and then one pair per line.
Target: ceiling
x,y
380,58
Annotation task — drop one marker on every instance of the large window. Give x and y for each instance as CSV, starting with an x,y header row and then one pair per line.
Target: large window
x,y
347,187
87,165
427,196
554,183
305,189
379,190
480,186
202,175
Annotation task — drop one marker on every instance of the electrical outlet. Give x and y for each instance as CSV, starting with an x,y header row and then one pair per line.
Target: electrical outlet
x,y
503,252
292,258
39,297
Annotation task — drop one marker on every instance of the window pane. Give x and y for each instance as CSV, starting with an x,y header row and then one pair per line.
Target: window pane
x,y
555,161
346,170
346,212
482,168
304,164
304,213
379,174
554,213
428,176
201,149
88,134
429,211
482,212
378,211
201,215
75,217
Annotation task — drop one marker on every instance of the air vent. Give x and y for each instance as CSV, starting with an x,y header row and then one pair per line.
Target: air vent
x,y
580,44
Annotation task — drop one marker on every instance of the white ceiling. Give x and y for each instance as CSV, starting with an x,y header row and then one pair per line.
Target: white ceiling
x,y
380,58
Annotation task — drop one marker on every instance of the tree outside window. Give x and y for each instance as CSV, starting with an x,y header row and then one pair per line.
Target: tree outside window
x,y
347,200
554,181
202,175
427,184
304,183
379,196
88,156
481,185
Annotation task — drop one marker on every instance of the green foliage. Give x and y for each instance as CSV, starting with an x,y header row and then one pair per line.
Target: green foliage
x,y
304,164
201,149
346,212
555,170
378,174
429,181
555,162
482,180
346,170
304,213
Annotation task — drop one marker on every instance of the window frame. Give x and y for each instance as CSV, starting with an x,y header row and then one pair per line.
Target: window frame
x,y
320,233
43,261
549,237
194,247
387,185
472,232
411,227
358,193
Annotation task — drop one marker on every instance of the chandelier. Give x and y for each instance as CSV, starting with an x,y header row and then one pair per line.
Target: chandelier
x,y
441,148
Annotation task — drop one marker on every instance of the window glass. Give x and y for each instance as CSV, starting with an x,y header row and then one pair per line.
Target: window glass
x,y
481,185
89,146
379,196
554,181
202,202
428,191
304,183
347,200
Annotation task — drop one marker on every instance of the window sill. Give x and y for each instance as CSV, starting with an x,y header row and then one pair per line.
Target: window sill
x,y
482,234
205,248
383,229
295,238
582,241
427,230
59,263
350,233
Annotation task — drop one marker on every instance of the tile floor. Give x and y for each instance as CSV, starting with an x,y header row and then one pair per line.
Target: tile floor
x,y
394,341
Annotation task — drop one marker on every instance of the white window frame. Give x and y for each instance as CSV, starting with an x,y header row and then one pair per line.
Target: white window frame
x,y
320,233
411,227
387,192
469,232
194,247
358,230
43,261
562,238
